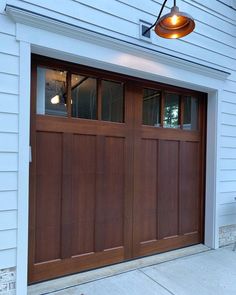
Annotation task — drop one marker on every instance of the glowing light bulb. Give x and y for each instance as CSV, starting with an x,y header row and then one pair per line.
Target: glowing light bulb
x,y
174,19
55,99
174,36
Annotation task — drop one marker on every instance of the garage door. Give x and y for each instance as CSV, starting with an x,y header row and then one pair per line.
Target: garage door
x,y
117,168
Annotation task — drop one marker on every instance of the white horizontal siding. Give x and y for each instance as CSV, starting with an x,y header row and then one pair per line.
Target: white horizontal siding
x,y
227,186
228,175
228,209
9,44
230,85
229,129
228,164
9,64
225,220
8,142
229,108
218,8
120,20
8,239
7,258
228,152
8,181
8,122
9,89
9,83
8,162
228,141
7,26
8,220
8,103
228,197
8,200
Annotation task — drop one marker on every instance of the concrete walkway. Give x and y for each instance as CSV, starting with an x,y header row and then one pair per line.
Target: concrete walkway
x,y
208,273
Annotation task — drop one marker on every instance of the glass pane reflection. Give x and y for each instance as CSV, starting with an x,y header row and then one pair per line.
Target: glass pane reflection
x,y
112,101
51,92
84,97
151,107
171,112
190,113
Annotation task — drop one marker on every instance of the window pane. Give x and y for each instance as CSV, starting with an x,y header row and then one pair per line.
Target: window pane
x,y
151,107
112,101
51,92
171,113
190,113
84,97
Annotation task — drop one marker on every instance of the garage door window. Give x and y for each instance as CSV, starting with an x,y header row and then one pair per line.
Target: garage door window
x,y
65,94
190,113
171,113
84,97
112,101
51,92
151,107
171,110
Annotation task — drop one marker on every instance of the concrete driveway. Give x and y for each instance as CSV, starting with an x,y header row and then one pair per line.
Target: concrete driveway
x,y
208,273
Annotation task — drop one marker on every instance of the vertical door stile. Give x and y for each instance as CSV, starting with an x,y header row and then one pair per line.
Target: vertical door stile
x,y
137,93
129,168
157,184
32,187
180,188
202,128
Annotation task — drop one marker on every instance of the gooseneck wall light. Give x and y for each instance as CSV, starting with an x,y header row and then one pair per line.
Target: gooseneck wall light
x,y
173,25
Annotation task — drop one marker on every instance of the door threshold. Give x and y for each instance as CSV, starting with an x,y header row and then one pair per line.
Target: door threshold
x,y
108,271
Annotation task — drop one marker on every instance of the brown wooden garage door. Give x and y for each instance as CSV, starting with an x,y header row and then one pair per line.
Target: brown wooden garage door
x,y
117,168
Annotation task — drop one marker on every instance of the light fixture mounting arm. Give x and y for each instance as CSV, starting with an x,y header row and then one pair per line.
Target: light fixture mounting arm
x,y
159,15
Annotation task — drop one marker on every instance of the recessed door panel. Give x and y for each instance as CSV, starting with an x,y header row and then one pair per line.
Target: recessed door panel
x,y
168,189
48,202
83,194
148,190
189,187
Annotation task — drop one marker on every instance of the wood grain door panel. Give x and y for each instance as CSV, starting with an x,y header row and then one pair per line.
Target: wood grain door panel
x,y
48,201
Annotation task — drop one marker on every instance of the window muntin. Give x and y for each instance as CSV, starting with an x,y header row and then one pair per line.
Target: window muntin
x,y
51,92
151,107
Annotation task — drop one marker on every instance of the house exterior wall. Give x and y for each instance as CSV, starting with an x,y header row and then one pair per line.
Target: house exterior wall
x,y
9,90
212,44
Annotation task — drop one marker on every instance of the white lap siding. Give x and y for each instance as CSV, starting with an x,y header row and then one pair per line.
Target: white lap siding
x,y
227,209
9,89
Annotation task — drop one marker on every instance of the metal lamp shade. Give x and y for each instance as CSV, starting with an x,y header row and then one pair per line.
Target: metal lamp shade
x,y
175,24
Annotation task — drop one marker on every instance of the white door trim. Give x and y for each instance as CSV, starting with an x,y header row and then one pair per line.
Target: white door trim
x,y
23,169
